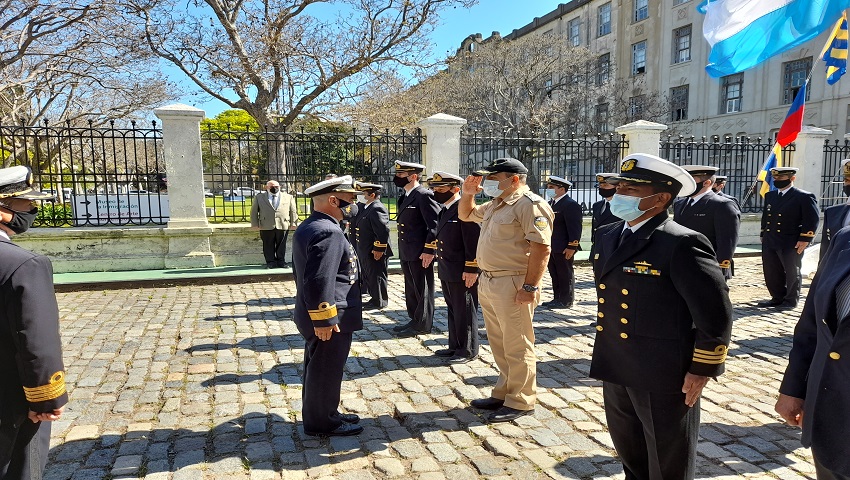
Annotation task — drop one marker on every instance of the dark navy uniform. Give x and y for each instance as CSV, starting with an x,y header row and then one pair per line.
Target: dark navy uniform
x,y
32,375
730,198
457,243
715,217
372,233
819,363
834,219
328,293
417,224
786,219
601,215
566,234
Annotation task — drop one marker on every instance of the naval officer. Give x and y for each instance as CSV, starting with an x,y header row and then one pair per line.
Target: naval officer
x,y
566,234
836,217
372,238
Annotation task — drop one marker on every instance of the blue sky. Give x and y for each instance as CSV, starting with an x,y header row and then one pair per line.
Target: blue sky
x,y
456,24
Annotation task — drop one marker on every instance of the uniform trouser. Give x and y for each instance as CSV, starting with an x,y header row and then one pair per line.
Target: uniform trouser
x,y
375,277
511,337
274,245
23,450
462,306
419,294
563,278
324,362
655,434
824,473
782,273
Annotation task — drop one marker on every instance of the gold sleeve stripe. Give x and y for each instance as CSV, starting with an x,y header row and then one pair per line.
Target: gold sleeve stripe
x,y
431,245
717,356
473,263
725,264
379,244
324,312
574,242
808,234
44,393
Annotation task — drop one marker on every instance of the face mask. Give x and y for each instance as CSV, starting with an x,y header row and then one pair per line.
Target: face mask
x,y
274,189
780,184
847,190
699,188
361,198
607,192
626,207
443,197
21,221
349,210
715,190
401,182
549,194
491,188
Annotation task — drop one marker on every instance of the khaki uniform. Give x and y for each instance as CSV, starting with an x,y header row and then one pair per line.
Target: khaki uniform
x,y
507,227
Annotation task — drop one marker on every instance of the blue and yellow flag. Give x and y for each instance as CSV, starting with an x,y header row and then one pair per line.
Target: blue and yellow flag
x,y
773,161
835,51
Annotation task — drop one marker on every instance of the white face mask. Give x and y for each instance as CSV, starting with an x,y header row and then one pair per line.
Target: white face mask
x,y
491,188
361,198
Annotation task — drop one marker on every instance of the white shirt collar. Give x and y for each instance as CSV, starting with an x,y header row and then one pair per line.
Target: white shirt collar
x,y
4,235
696,198
635,227
447,205
785,190
555,200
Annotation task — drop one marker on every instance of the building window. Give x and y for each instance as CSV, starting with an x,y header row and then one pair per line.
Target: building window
x,y
731,93
573,30
794,76
604,20
636,107
602,117
639,58
641,10
682,44
603,69
679,103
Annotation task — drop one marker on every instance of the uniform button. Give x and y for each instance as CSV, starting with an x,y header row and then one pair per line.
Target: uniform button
x,y
624,291
768,229
599,328
602,286
624,335
625,306
780,214
624,321
600,314
400,224
601,300
834,355
778,231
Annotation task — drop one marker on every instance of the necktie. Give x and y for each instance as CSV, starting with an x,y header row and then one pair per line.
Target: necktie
x,y
624,237
686,206
842,299
552,202
275,201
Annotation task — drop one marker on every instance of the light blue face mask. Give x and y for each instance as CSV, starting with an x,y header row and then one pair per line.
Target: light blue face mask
x,y
491,188
626,207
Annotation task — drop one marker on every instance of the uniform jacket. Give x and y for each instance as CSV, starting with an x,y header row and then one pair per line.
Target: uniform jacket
x,y
715,217
457,243
833,221
600,218
730,197
664,307
265,216
32,375
372,230
819,363
326,276
788,219
417,224
566,227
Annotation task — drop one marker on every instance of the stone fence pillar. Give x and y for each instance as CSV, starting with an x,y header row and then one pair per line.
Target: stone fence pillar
x,y
188,229
808,157
643,136
442,147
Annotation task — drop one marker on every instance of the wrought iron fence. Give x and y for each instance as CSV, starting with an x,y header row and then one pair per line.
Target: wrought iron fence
x,y
832,179
740,159
576,158
238,163
99,175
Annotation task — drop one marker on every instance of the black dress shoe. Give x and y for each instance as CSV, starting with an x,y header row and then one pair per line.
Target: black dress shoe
x,y
343,430
271,265
282,265
399,328
487,403
460,360
349,417
444,352
554,304
770,303
408,332
506,414
787,305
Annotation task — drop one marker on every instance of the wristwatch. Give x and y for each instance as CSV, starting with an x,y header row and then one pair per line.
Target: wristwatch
x,y
529,288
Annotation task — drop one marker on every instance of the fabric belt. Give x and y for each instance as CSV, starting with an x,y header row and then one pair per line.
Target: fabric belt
x,y
501,273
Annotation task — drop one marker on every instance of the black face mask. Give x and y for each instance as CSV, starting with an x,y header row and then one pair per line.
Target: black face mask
x,y
401,182
443,197
780,184
274,189
21,221
699,188
607,192
349,210
847,190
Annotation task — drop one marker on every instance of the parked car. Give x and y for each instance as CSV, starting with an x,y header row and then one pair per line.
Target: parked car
x,y
242,192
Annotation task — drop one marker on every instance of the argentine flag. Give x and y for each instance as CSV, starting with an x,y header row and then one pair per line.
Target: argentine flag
x,y
744,33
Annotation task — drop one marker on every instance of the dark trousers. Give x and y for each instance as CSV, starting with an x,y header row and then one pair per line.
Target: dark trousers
x,y
563,278
782,273
824,473
655,434
23,450
375,277
419,294
462,306
274,246
324,362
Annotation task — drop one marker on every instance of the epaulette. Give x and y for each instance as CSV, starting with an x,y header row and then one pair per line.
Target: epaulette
x,y
535,198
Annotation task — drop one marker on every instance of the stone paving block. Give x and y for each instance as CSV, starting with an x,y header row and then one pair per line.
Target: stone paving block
x,y
126,465
500,446
390,467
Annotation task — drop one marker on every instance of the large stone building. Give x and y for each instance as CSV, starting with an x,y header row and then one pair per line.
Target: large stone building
x,y
661,41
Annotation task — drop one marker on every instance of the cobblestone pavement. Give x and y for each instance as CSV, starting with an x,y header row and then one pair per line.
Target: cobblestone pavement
x,y
203,382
